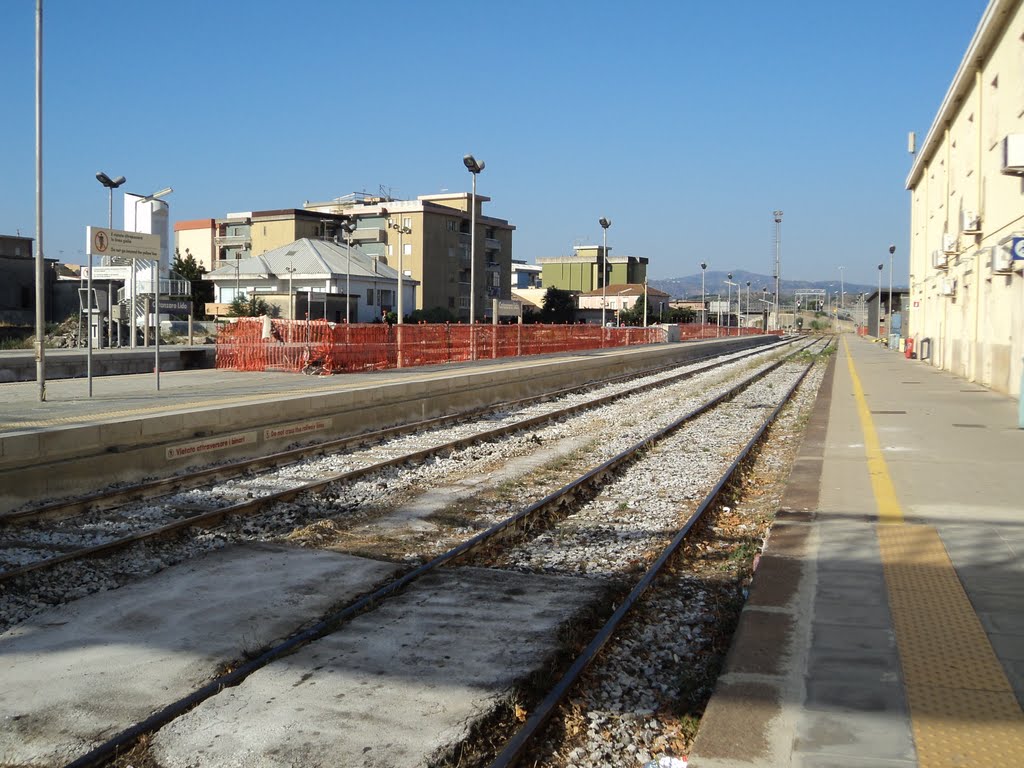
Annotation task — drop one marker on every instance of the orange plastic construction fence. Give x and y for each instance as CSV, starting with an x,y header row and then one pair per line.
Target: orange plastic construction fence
x,y
258,344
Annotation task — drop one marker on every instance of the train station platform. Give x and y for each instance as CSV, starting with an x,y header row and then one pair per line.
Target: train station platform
x,y
72,443
885,623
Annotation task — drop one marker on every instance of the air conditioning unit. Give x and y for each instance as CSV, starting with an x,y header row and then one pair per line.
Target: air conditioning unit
x,y
939,259
1002,259
1013,154
949,287
970,222
949,243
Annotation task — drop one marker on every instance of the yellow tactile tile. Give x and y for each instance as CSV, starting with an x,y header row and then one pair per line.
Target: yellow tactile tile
x,y
962,708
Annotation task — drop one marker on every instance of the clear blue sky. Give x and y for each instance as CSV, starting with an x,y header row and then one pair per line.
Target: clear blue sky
x,y
686,123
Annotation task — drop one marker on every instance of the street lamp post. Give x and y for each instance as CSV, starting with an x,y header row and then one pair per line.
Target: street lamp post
x,y
703,301
748,304
111,185
878,315
135,228
349,227
474,166
605,223
778,269
645,301
892,250
728,302
290,269
842,290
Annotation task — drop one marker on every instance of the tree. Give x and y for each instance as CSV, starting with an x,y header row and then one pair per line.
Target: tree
x,y
202,289
432,315
559,306
245,306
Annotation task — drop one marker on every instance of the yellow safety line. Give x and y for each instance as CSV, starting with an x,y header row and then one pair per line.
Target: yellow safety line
x,y
889,510
963,710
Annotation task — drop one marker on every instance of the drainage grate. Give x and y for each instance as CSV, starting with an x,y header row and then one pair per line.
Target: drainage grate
x,y
974,390
910,382
971,426
884,413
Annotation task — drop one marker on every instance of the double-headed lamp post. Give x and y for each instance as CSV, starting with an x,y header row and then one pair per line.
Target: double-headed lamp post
x,y
605,223
703,301
402,231
474,166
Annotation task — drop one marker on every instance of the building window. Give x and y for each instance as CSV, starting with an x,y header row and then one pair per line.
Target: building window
x,y
407,249
391,250
406,222
369,297
453,225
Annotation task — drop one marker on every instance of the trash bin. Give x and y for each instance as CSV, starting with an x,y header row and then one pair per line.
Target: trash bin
x,y
894,341
908,349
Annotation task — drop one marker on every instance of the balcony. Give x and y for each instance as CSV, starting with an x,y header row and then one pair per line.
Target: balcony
x,y
229,241
369,235
492,244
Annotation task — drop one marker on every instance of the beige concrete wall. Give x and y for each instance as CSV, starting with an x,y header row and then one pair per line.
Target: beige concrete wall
x,y
270,234
976,330
199,243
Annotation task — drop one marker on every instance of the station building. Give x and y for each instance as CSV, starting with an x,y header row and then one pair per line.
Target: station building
x,y
966,312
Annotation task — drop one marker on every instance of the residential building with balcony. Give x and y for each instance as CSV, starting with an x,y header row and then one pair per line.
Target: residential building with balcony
x,y
967,213
582,271
429,240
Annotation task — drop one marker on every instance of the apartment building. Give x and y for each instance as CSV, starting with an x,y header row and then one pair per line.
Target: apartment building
x,y
967,213
429,240
250,233
582,271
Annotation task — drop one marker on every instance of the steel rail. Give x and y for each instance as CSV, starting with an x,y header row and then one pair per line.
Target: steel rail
x,y
215,516
150,489
124,740
516,746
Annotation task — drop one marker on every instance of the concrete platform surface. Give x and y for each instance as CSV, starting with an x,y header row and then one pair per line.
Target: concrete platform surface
x,y
884,626
77,675
392,688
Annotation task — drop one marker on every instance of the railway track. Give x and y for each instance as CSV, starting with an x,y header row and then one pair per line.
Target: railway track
x,y
55,534
507,545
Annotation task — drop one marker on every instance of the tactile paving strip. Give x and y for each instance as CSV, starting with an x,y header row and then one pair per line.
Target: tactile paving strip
x,y
962,708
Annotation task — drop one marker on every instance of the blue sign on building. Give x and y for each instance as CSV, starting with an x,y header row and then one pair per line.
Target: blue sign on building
x,y
1017,248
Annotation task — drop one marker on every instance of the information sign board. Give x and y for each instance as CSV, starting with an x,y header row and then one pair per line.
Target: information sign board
x,y
100,241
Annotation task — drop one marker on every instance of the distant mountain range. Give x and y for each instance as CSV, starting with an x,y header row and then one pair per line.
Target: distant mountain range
x,y
714,282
